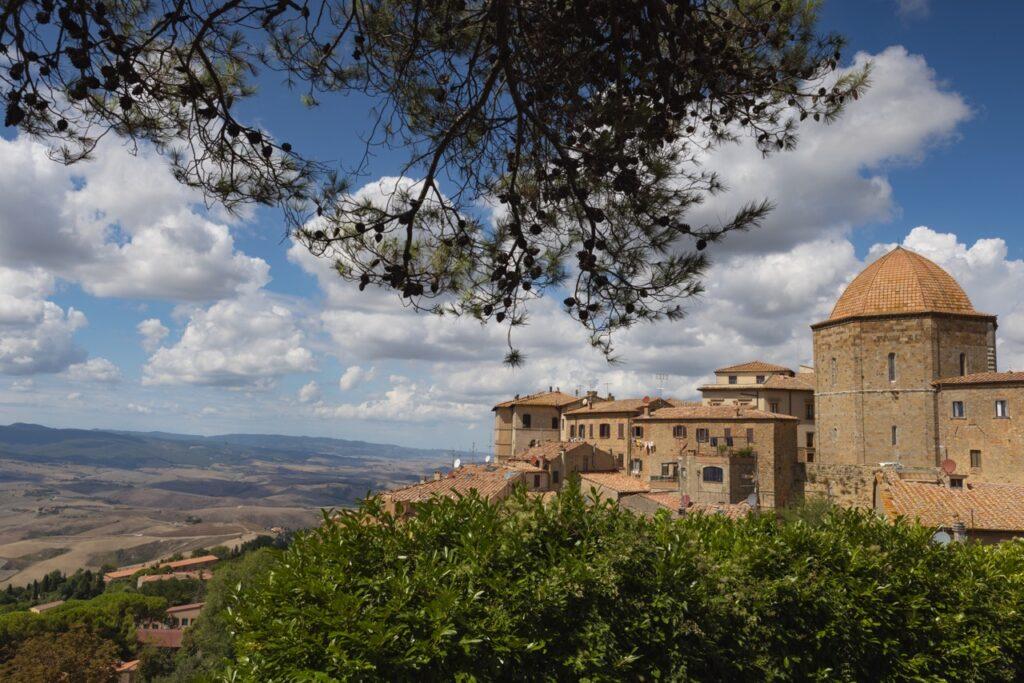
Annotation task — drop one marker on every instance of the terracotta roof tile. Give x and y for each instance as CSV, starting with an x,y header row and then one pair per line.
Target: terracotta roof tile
x,y
995,507
902,282
489,481
723,412
754,366
982,378
617,481
185,608
671,501
160,637
803,381
550,450
624,405
544,398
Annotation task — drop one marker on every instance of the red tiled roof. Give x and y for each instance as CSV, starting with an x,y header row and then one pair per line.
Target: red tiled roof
x,y
755,367
902,282
125,572
489,481
802,381
551,450
623,405
994,507
723,412
617,481
982,378
671,500
544,398
185,608
160,637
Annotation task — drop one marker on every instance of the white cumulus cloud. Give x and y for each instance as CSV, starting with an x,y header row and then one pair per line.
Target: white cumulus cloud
x,y
248,341
153,333
95,370
354,376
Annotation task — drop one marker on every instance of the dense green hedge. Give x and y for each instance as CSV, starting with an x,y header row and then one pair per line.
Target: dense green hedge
x,y
112,616
572,590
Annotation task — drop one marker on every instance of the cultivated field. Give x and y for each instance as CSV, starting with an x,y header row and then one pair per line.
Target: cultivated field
x,y
66,516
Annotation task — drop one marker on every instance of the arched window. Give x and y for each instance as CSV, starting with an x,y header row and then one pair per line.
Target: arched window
x,y
892,367
712,474
963,364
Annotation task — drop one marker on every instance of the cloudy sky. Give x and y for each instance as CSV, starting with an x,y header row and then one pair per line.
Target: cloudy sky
x,y
124,303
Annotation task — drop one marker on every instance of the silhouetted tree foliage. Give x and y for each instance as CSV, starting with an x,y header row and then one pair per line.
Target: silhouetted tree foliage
x,y
583,121
580,590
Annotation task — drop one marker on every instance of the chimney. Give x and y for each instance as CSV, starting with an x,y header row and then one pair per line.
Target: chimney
x,y
550,389
959,531
437,475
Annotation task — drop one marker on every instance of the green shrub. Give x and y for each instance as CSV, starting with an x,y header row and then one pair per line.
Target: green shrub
x,y
578,589
111,616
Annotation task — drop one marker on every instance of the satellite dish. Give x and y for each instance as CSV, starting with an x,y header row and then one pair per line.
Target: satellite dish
x,y
941,537
948,466
752,500
457,463
487,458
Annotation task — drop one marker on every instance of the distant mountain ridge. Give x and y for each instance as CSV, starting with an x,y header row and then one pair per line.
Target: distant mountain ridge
x,y
130,450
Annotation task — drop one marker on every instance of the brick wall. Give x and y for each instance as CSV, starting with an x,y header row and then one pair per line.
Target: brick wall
x,y
999,441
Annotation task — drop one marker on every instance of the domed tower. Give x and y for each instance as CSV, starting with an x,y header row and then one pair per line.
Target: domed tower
x,y
903,323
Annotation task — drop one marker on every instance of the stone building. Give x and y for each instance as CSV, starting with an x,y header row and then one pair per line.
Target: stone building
x,y
721,453
770,388
559,459
609,425
529,420
981,425
902,324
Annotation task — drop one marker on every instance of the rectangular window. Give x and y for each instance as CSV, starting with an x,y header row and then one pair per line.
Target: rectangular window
x,y
666,469
760,379
975,458
773,407
810,439
732,379
750,435
892,367
728,433
679,432
958,408
702,435
604,431
554,423
638,432
894,435
526,421
1001,409
536,481
835,371
554,476
619,460
809,409
622,431
590,430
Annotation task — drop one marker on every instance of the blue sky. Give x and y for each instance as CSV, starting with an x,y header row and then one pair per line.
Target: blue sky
x,y
245,332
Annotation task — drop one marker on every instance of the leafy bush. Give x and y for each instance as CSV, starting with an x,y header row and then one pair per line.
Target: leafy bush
x,y
73,656
111,616
579,589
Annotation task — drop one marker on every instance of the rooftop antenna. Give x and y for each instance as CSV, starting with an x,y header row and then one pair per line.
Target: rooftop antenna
x,y
662,379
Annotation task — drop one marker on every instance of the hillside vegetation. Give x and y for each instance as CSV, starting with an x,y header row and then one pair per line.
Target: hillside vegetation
x,y
470,590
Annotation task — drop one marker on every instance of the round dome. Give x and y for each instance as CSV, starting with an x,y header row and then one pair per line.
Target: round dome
x,y
902,282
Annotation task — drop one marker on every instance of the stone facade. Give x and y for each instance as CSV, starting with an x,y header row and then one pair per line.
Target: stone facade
x,y
526,421
609,426
987,442
751,448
